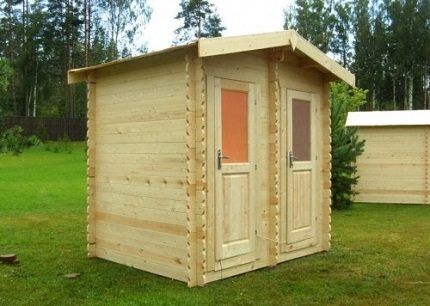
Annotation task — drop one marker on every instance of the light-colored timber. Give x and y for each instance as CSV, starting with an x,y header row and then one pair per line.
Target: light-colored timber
x,y
211,159
394,167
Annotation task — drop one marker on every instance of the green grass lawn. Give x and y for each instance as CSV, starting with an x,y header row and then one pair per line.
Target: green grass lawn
x,y
380,253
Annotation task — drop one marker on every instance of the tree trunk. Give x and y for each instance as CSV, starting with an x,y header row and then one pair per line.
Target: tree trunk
x,y
86,31
118,26
410,92
394,94
12,57
373,99
27,93
89,31
28,102
425,91
405,93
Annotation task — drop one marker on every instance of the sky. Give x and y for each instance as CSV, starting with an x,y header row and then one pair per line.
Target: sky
x,y
238,16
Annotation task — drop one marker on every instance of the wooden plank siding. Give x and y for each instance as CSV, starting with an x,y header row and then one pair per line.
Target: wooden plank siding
x,y
394,165
143,183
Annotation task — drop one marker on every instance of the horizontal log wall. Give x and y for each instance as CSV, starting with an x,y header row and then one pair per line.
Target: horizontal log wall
x,y
394,165
141,171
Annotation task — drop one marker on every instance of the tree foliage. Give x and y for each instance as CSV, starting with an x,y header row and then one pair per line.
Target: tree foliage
x,y
43,39
385,43
313,20
5,73
346,146
200,19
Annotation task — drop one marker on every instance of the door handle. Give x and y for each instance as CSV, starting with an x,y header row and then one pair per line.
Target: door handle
x,y
291,159
220,157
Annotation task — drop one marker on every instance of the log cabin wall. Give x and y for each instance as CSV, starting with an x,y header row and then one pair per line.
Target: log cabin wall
x,y
394,167
139,149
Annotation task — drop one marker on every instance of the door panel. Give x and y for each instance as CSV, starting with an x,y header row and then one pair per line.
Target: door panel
x,y
298,187
235,207
234,172
301,205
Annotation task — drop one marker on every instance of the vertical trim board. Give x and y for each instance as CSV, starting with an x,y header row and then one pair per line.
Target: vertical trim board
x,y
201,169
326,168
191,167
91,170
274,155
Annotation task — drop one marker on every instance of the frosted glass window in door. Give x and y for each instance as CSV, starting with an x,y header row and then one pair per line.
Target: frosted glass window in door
x,y
301,130
234,113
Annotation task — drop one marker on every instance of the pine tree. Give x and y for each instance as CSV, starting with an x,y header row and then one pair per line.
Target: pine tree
x,y
346,146
340,43
200,19
313,19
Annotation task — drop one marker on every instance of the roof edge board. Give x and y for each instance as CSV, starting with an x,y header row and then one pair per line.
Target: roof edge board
x,y
79,75
234,44
226,45
76,76
315,54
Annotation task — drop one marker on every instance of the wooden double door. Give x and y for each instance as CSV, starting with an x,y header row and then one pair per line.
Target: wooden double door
x,y
235,169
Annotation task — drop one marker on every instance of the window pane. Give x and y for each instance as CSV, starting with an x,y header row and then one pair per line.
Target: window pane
x,y
234,126
301,130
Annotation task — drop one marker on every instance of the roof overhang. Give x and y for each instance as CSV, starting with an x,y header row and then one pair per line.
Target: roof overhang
x,y
389,118
227,45
80,75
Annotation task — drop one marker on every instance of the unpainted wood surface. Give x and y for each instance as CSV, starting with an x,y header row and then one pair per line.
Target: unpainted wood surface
x,y
91,163
394,165
251,68
142,188
300,180
235,184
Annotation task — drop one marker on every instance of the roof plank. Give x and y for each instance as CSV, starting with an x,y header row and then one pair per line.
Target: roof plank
x,y
389,118
227,45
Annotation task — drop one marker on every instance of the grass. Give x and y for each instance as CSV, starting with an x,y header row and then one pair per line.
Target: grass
x,y
380,253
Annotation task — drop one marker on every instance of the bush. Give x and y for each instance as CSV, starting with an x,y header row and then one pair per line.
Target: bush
x,y
12,140
345,145
33,141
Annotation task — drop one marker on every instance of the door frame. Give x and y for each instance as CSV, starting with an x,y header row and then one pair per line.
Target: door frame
x,y
287,95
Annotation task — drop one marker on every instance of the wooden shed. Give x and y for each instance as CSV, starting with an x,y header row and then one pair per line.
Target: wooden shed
x,y
394,167
211,159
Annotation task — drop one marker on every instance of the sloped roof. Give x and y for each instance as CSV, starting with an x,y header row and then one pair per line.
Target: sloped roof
x,y
389,118
227,45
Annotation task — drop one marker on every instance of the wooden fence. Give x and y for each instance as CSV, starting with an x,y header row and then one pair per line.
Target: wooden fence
x,y
50,128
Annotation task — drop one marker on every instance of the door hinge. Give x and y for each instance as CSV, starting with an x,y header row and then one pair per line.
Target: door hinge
x,y
255,101
255,166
